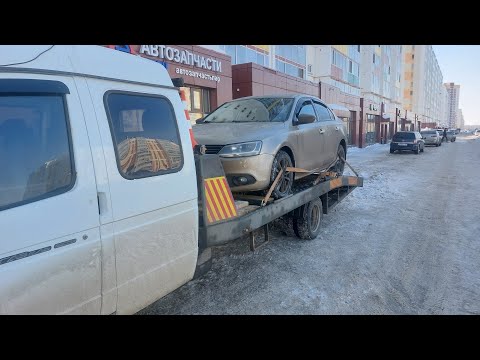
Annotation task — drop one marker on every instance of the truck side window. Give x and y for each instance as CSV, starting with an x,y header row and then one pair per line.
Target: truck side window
x,y
145,134
36,159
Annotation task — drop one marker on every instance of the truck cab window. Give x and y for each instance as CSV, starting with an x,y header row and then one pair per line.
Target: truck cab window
x,y
145,135
35,154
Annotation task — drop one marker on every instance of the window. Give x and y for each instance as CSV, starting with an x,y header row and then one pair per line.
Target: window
x,y
241,54
251,56
280,66
358,48
309,68
307,108
145,135
374,58
36,158
322,111
261,59
230,50
252,110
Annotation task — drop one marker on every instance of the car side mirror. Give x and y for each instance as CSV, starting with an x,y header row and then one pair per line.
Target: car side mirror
x,y
305,119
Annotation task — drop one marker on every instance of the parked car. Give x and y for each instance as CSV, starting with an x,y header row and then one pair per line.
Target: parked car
x,y
407,141
451,135
431,137
257,136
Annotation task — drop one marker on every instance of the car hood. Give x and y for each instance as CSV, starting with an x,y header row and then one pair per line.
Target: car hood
x,y
231,133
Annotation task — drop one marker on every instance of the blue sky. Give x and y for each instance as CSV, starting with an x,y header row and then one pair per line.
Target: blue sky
x,y
460,64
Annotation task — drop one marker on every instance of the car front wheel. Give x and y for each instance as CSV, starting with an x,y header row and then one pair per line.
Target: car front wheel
x,y
339,165
281,161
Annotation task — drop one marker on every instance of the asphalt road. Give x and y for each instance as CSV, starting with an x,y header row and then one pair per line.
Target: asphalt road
x,y
408,242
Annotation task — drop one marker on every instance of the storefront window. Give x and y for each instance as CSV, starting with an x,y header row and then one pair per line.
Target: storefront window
x,y
198,102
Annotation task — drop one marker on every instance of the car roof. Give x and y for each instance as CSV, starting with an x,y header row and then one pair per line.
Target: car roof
x,y
87,60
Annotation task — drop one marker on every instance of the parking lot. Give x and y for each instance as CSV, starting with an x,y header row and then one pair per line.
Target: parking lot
x,y
405,243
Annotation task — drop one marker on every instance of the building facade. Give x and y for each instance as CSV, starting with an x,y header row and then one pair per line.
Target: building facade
x,y
286,59
453,92
422,83
336,68
380,80
375,89
206,71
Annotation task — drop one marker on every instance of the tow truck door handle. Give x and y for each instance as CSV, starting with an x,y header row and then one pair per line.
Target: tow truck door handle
x,y
321,131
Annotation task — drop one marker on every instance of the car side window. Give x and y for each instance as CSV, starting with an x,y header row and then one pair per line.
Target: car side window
x,y
145,134
323,113
36,157
307,108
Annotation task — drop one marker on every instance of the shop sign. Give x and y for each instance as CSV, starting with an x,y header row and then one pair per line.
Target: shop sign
x,y
197,74
181,57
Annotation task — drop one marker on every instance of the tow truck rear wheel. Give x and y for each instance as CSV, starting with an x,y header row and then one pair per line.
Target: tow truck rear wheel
x,y
307,225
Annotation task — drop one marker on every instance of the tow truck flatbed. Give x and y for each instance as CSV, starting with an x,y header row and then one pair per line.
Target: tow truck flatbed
x,y
331,190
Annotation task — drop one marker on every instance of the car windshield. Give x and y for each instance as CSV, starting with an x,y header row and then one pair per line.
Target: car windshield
x,y
262,109
450,132
429,133
403,136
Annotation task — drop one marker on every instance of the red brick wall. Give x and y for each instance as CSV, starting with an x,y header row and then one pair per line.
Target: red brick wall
x,y
252,79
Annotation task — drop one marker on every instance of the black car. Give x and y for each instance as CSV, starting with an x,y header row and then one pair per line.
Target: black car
x,y
407,141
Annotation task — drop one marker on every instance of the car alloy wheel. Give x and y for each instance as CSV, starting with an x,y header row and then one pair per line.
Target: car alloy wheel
x,y
281,161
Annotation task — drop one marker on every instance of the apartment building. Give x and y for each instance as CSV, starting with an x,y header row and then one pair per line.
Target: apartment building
x,y
453,92
380,81
336,68
422,83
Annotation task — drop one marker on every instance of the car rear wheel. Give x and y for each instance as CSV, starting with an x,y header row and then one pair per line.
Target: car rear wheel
x,y
307,226
281,161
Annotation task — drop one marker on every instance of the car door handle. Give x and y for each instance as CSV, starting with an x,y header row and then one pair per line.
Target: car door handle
x,y
321,131
337,128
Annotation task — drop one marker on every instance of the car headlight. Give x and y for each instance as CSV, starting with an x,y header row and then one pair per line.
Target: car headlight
x,y
242,149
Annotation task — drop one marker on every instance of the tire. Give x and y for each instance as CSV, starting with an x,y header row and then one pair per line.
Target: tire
x,y
417,151
392,151
339,166
307,226
423,148
281,161
437,145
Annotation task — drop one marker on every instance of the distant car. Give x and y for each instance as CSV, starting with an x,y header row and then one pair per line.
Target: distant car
x,y
432,137
407,141
451,135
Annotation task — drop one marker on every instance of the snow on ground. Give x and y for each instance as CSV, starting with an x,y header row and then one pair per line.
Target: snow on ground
x,y
404,243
